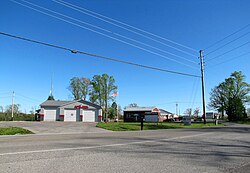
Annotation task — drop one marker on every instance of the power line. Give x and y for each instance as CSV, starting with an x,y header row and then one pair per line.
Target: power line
x,y
227,43
232,59
109,31
228,51
123,23
244,27
112,23
99,56
149,51
29,98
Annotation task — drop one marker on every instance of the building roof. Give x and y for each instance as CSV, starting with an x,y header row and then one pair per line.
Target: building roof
x,y
59,103
54,103
164,112
139,108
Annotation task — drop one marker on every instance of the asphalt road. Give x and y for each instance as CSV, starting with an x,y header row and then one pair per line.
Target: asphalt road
x,y
222,149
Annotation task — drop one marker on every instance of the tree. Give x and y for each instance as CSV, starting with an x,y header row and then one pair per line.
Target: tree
x,y
8,108
113,110
131,105
79,87
196,112
188,112
102,88
231,95
248,112
1,108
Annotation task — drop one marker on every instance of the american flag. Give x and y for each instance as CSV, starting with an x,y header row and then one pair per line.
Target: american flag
x,y
115,94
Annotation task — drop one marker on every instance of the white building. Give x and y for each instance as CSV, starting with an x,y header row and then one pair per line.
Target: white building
x,y
80,110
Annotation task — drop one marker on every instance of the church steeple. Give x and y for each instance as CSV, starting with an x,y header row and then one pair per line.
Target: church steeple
x,y
51,97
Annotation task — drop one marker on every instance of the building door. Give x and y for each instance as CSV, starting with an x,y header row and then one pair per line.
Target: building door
x,y
49,115
88,116
69,114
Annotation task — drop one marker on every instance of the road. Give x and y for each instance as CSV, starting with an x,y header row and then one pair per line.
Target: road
x,y
221,149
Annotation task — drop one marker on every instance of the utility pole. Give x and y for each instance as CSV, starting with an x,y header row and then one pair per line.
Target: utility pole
x,y
176,108
203,87
12,107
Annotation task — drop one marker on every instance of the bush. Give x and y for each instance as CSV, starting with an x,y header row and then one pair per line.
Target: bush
x,y
17,117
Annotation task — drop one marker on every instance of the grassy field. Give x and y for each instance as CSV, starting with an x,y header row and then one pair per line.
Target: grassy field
x,y
13,131
121,126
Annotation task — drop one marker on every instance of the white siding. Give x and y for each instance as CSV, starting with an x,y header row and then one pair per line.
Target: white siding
x,y
50,115
88,116
69,115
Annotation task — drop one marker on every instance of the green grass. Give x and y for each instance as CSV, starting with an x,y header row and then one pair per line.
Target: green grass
x,y
14,131
121,126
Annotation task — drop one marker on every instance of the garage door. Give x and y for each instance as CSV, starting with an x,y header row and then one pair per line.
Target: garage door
x,y
49,115
88,116
69,115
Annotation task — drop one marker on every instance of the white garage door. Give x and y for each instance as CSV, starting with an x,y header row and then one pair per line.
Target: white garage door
x,y
69,115
49,115
88,116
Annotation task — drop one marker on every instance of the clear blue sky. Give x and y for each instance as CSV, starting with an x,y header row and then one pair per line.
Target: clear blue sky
x,y
26,68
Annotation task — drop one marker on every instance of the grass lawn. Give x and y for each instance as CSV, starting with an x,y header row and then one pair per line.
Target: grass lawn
x,y
121,126
13,131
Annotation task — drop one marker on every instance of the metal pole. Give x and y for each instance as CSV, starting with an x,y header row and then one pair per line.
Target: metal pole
x,y
203,87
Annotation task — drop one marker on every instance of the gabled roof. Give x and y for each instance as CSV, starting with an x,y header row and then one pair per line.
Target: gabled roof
x,y
139,109
58,103
164,111
54,103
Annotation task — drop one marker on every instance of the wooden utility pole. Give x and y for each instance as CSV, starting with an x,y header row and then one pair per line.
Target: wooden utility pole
x,y
203,87
12,107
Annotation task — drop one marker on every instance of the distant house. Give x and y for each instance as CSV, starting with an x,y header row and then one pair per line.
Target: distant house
x,y
80,110
150,114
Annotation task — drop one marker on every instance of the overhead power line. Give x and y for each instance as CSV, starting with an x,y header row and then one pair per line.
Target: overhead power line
x,y
108,31
98,56
80,9
228,51
227,43
133,45
231,59
138,29
244,27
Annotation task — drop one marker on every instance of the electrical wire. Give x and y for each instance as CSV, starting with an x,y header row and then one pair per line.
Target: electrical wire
x,y
112,23
228,51
231,59
227,43
123,23
99,56
109,31
149,51
244,27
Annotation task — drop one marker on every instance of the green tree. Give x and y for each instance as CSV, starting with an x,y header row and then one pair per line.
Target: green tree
x,y
79,87
113,110
102,88
8,109
231,95
218,98
1,109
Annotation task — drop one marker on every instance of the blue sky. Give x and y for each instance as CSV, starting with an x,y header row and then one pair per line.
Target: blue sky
x,y
26,68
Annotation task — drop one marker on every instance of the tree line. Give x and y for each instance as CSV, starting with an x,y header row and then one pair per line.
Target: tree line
x,y
99,90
